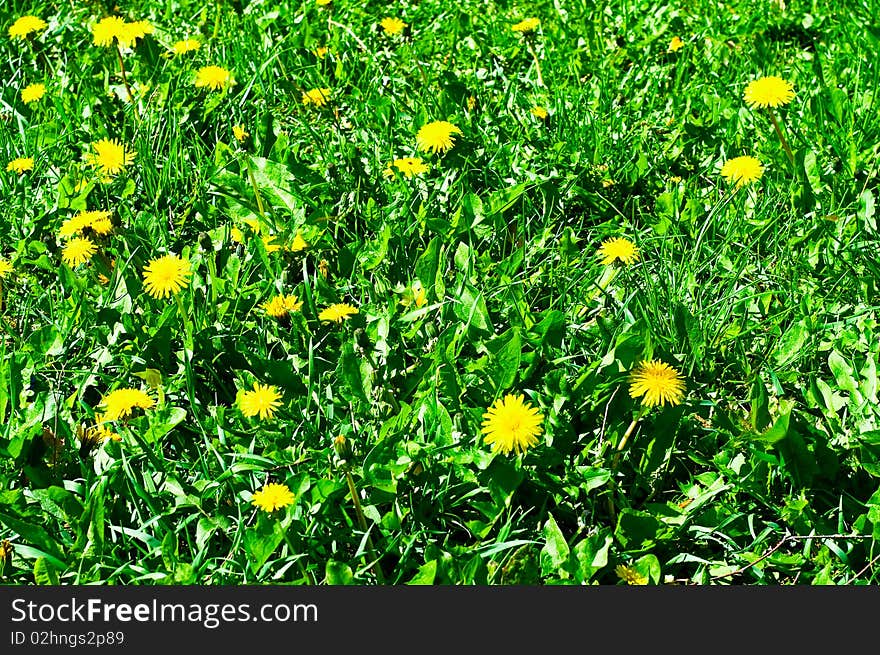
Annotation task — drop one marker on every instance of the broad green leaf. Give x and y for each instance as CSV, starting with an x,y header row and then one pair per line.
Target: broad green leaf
x,y
554,554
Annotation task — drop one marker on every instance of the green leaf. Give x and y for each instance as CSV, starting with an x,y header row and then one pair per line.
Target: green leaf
x,y
261,540
338,573
791,344
554,554
760,413
349,372
636,529
44,574
591,554
471,308
780,426
426,574
31,533
506,361
372,253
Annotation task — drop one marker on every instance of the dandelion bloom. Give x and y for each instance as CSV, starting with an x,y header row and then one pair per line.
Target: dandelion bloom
x,y
33,92
166,276
281,305
316,97
110,156
78,251
392,25
630,575
769,91
657,382
408,166
618,249
133,31
5,268
273,496
21,164
214,78
268,245
539,112
415,294
91,438
675,44
337,312
262,401
25,25
323,3
298,243
107,29
527,25
511,424
96,220
321,51
121,402
187,45
239,133
742,170
436,136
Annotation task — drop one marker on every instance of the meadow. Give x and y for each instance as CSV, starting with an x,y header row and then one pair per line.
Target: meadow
x,y
429,292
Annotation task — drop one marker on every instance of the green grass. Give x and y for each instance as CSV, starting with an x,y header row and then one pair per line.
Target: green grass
x,y
764,298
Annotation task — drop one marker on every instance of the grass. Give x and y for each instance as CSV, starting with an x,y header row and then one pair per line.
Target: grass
x,y
763,298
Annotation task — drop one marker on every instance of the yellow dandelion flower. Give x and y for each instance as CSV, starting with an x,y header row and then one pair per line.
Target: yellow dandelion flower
x,y
133,31
32,93
214,78
281,305
539,112
121,402
110,156
392,25
769,91
321,51
527,25
239,133
107,29
618,249
273,497
186,45
166,275
21,164
323,3
630,575
338,312
96,220
324,268
268,245
471,102
415,294
436,136
236,235
5,268
316,97
253,223
675,44
262,401
23,26
78,251
298,243
92,437
657,382
511,424
408,166
742,170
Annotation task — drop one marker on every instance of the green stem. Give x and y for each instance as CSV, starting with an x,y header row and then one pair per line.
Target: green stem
x,y
217,19
782,138
362,522
124,76
254,186
537,63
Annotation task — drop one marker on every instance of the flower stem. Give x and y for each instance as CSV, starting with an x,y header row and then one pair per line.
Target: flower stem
x,y
124,76
782,138
537,63
254,186
362,522
217,19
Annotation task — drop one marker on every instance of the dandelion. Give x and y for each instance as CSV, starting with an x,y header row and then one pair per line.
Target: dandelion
x,y
316,97
527,25
281,305
408,166
23,26
323,3
630,575
539,112
675,44
268,245
772,91
392,25
121,402
321,51
78,251
239,133
110,156
96,220
338,312
166,275
107,29
133,31
618,249
657,382
21,164
92,437
262,401
186,45
273,497
5,268
415,294
32,93
213,77
436,136
511,424
742,170
298,243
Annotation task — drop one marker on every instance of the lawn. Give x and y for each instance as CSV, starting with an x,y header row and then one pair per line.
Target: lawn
x,y
476,292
